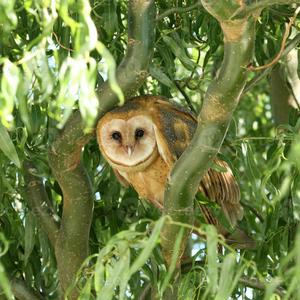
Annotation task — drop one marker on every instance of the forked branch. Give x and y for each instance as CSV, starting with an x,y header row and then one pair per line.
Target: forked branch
x,y
65,152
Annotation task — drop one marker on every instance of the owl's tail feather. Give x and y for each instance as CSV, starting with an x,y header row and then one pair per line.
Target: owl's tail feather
x,y
237,239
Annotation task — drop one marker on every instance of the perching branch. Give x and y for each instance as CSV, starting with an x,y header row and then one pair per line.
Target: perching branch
x,y
174,10
244,280
291,45
219,103
258,285
65,152
38,201
22,292
284,39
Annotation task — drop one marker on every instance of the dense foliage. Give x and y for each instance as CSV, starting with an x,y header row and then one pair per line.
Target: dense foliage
x,y
54,56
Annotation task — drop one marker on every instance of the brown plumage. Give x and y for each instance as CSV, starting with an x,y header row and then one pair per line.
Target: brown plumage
x,y
143,139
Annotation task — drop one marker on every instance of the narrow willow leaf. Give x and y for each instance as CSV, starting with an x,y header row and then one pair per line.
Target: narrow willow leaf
x,y
250,161
115,274
179,52
226,282
7,15
110,22
212,259
85,293
148,247
168,59
8,91
111,71
7,146
99,276
160,76
4,284
4,245
174,259
29,237
23,106
77,81
271,287
88,101
295,192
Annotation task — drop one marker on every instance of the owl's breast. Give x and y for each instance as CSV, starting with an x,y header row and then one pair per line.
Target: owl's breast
x,y
150,183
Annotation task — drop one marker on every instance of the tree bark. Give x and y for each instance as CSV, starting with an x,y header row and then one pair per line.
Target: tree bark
x,y
220,101
71,247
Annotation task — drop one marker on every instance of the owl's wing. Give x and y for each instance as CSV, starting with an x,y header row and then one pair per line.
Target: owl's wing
x,y
223,188
174,131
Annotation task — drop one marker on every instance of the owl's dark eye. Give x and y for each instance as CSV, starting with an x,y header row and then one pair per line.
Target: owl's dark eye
x,y
116,135
139,133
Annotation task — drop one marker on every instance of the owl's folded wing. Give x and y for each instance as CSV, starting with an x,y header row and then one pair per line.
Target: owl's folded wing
x,y
174,134
223,188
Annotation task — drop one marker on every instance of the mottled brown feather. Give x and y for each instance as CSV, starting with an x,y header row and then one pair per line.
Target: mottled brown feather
x,y
174,129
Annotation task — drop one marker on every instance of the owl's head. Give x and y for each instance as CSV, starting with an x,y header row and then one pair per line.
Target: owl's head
x,y
127,142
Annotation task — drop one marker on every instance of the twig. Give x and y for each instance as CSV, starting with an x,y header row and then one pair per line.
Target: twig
x,y
187,81
284,39
178,10
145,292
254,211
293,43
22,292
256,284
249,282
186,97
39,203
59,43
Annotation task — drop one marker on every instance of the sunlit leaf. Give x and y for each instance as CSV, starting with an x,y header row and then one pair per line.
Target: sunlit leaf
x,y
7,146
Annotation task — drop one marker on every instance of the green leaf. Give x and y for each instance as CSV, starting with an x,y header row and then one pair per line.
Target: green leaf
x,y
7,15
158,74
110,22
226,282
111,64
7,146
29,238
148,247
4,284
116,273
212,259
8,91
179,52
4,245
86,291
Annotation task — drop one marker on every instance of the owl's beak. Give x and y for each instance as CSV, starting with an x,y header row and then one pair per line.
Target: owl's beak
x,y
129,150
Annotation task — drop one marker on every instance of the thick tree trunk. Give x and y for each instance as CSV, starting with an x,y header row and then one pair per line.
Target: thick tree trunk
x,y
71,247
220,101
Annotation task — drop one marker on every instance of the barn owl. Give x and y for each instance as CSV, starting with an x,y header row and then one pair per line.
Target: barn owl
x,y
143,139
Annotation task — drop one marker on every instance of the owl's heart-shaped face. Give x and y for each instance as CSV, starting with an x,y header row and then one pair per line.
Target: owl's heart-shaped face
x,y
129,142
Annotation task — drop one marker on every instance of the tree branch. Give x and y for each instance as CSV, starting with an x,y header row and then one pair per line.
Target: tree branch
x,y
245,280
174,10
219,103
284,39
22,292
65,152
38,201
256,284
291,45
